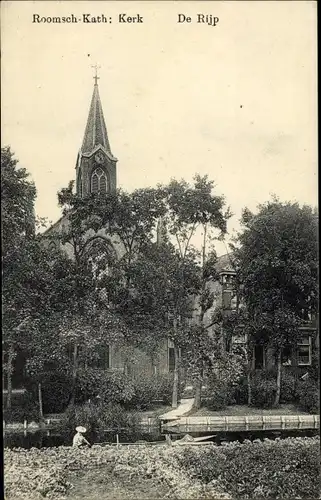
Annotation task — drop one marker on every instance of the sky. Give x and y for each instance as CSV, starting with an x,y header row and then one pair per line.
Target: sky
x,y
236,101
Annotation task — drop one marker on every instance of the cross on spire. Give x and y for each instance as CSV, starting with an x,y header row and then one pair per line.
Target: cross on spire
x,y
96,77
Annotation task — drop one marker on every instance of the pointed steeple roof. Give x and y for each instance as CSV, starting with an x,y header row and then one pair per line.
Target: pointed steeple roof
x,y
96,131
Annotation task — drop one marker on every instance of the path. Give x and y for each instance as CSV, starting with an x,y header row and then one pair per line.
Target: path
x,y
183,408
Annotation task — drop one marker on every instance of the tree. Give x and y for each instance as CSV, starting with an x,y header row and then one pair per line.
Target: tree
x,y
102,274
18,195
189,209
277,259
131,219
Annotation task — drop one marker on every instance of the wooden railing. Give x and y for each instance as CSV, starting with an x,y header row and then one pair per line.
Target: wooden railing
x,y
245,423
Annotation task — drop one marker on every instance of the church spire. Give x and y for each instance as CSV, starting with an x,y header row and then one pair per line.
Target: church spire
x,y
96,165
96,131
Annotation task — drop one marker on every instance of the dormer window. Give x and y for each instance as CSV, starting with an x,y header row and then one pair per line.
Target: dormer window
x,y
99,181
227,280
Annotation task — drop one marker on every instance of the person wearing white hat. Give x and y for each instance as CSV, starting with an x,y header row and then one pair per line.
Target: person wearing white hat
x,y
79,440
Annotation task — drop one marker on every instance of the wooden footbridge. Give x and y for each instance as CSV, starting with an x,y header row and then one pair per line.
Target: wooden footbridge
x,y
243,423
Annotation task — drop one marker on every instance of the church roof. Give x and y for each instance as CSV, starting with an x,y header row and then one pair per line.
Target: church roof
x,y
96,131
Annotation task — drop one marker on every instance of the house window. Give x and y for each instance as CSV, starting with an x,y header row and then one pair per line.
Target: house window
x,y
304,350
98,181
259,357
227,280
286,356
239,338
227,299
234,303
102,360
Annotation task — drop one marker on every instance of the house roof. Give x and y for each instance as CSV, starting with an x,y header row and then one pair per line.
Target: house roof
x,y
225,263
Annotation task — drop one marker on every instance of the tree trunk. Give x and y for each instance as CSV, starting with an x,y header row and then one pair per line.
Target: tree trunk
x,y
249,388
176,378
74,375
278,379
198,392
179,375
9,375
40,402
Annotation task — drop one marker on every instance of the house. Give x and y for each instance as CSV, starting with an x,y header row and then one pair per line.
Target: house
x,y
296,359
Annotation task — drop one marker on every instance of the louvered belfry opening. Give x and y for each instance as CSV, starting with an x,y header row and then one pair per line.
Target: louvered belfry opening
x,y
99,181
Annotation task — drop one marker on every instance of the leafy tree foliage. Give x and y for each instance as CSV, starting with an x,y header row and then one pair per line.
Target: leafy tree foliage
x,y
277,259
25,267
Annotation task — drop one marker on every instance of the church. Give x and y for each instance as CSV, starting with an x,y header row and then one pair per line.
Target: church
x,y
96,173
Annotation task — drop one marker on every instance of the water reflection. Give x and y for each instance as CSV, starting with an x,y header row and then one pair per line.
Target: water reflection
x,y
45,439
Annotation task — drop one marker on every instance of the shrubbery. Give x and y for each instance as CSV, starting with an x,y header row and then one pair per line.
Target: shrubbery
x,y
224,381
289,383
98,417
221,395
23,408
308,396
149,388
56,387
263,389
134,392
240,394
263,384
287,468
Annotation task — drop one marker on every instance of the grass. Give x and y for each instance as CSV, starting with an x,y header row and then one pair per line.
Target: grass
x,y
240,410
154,412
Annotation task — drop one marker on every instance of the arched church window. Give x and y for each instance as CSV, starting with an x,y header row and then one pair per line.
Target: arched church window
x,y
52,246
98,181
80,185
103,184
100,255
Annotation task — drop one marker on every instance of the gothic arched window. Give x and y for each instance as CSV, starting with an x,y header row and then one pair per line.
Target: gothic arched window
x,y
99,181
80,184
100,256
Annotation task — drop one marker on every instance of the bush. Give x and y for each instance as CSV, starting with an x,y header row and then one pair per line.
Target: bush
x,y
308,396
288,386
264,386
263,390
221,395
88,384
56,389
240,396
117,388
314,369
286,468
24,408
147,389
224,381
98,417
165,387
111,387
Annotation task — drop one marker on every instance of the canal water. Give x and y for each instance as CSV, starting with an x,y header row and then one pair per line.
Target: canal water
x,y
47,439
